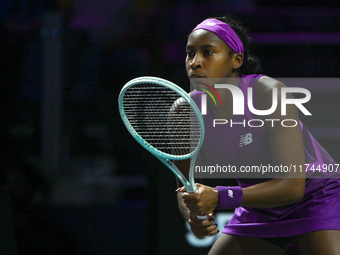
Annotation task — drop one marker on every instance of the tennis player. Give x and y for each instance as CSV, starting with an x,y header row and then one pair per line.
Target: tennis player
x,y
270,214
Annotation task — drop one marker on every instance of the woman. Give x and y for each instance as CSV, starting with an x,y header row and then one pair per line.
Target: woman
x,y
271,214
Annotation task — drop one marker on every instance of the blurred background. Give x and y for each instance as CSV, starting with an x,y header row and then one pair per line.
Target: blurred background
x,y
73,181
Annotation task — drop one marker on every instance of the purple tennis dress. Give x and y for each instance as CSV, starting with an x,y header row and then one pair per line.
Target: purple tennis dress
x,y
245,145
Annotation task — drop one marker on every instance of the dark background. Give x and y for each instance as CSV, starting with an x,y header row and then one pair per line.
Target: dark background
x,y
73,180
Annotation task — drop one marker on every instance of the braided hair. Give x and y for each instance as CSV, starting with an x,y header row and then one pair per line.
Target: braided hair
x,y
251,64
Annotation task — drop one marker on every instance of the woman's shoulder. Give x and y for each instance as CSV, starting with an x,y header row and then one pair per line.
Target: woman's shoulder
x,y
266,84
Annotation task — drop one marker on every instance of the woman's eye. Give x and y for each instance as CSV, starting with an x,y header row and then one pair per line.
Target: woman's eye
x,y
190,53
208,52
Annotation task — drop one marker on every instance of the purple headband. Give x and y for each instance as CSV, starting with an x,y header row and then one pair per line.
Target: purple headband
x,y
224,31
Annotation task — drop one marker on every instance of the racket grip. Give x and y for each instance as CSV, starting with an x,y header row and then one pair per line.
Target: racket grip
x,y
205,217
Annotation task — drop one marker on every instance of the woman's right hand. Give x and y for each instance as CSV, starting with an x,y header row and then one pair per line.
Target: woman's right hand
x,y
203,228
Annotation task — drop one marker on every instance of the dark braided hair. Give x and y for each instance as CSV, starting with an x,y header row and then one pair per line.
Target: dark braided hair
x,y
251,64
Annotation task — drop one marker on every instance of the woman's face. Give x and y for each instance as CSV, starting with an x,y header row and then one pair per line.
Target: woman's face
x,y
208,56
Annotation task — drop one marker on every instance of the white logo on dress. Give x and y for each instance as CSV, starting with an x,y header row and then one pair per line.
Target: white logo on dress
x,y
246,139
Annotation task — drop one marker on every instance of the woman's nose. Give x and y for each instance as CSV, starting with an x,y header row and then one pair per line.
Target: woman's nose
x,y
196,62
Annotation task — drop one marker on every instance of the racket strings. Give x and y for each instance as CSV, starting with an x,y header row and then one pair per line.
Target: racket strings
x,y
162,118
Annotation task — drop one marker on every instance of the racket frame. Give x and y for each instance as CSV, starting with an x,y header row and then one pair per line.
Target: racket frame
x,y
166,158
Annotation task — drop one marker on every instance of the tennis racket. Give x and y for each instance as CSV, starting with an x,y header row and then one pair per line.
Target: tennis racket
x,y
163,118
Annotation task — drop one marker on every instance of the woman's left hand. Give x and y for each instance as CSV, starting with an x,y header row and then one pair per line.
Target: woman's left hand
x,y
203,201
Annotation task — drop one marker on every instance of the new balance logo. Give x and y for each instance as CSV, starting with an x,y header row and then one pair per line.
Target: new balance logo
x,y
230,193
246,139
211,24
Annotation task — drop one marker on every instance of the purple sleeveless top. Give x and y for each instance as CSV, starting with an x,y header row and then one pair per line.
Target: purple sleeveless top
x,y
241,141
245,145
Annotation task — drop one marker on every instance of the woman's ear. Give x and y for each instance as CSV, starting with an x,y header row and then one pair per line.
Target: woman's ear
x,y
238,60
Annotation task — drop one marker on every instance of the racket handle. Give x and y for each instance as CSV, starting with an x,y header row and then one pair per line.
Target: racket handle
x,y
205,217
